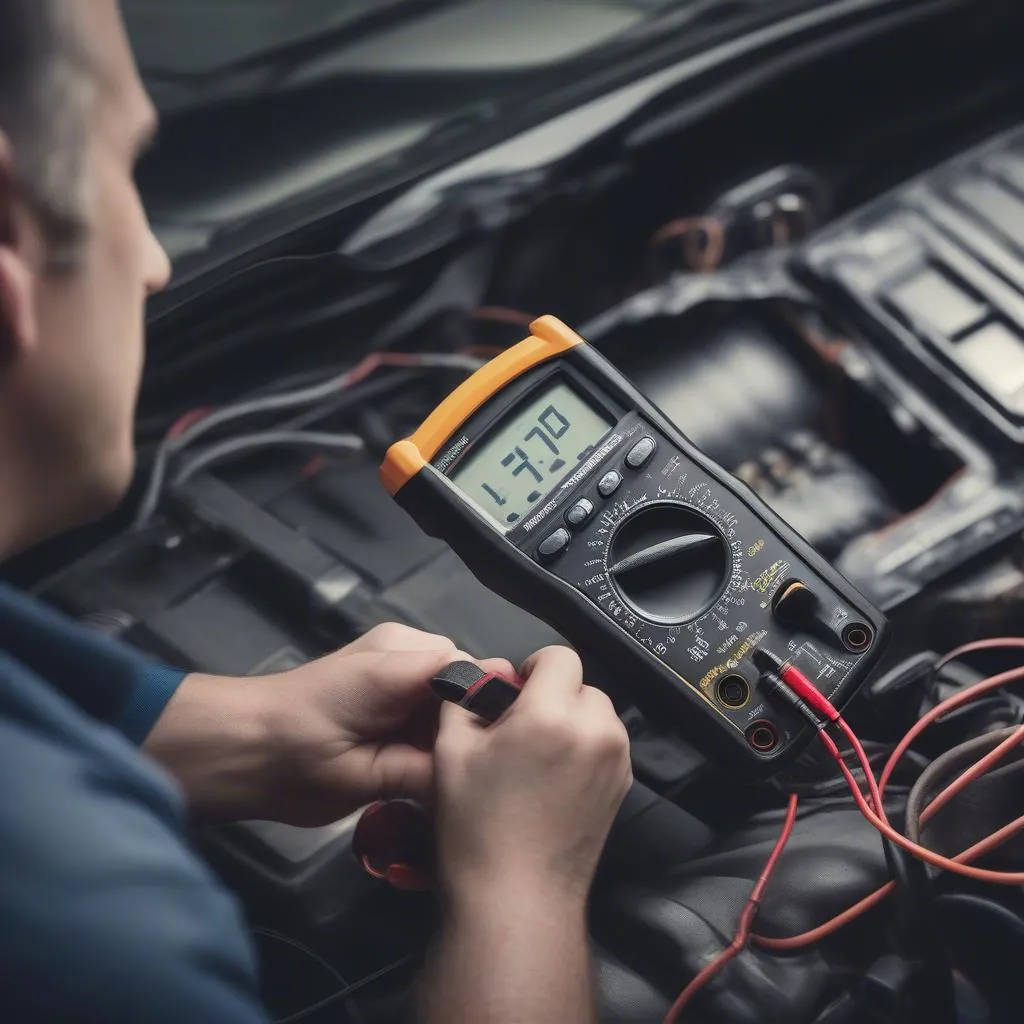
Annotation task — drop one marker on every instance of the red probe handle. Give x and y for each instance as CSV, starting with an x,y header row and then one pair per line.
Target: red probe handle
x,y
808,692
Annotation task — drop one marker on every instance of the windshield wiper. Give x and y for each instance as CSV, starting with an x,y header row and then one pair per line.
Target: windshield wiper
x,y
279,61
665,19
282,60
681,14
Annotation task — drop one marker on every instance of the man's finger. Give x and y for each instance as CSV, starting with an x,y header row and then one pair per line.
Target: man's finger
x,y
393,636
457,725
552,674
393,679
402,772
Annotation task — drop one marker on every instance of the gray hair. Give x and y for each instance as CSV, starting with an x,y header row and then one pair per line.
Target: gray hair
x,y
45,89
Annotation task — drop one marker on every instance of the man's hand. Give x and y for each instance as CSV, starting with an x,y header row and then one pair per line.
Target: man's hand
x,y
310,745
528,801
523,810
360,725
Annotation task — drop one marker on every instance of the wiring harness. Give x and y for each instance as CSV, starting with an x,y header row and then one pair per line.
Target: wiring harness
x,y
790,684
322,398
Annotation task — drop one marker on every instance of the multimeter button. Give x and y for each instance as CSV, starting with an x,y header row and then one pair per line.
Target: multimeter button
x,y
609,484
580,512
551,546
640,452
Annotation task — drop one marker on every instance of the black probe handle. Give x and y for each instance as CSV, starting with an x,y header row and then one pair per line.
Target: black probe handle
x,y
485,694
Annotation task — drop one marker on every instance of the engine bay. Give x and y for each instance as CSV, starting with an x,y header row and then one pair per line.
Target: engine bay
x,y
827,298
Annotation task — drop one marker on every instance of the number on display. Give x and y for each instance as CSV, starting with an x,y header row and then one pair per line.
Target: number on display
x,y
536,454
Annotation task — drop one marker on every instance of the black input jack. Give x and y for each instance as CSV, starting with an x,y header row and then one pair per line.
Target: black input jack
x,y
763,737
733,691
856,636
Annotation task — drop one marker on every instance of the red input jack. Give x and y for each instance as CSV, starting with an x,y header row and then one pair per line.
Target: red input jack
x,y
763,736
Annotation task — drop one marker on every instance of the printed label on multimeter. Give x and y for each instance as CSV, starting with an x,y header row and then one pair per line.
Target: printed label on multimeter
x,y
567,492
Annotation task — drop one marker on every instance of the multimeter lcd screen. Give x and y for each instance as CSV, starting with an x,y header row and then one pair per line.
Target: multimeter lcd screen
x,y
510,471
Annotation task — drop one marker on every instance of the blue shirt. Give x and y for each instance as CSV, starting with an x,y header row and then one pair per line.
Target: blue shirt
x,y
106,915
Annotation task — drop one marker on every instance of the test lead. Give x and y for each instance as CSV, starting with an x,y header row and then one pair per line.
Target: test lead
x,y
774,685
796,681
765,661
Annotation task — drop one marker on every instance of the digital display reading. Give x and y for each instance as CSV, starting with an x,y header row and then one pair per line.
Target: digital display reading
x,y
512,470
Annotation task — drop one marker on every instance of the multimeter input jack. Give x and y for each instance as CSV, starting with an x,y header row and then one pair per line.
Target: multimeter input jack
x,y
763,737
733,691
856,636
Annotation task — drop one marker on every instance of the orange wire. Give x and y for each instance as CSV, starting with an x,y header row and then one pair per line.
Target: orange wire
x,y
823,931
989,843
921,852
746,919
829,349
915,849
187,420
950,704
974,772
706,256
990,644
358,373
862,757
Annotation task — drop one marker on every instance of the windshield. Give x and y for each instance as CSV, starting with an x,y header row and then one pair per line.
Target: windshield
x,y
195,51
267,100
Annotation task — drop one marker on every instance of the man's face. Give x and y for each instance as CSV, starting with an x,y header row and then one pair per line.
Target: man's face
x,y
74,384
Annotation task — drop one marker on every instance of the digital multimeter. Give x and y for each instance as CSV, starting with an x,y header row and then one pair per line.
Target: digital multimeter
x,y
567,492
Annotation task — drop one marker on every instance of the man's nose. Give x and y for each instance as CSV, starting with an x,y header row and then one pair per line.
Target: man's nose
x,y
158,266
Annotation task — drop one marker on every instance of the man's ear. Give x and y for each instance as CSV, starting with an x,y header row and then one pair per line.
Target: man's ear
x,y
18,327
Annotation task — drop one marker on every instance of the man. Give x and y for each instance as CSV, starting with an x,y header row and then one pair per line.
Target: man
x,y
105,915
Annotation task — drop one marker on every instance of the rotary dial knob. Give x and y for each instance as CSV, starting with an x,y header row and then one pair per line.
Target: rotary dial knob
x,y
669,563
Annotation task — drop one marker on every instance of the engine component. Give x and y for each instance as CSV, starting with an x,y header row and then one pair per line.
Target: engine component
x,y
939,265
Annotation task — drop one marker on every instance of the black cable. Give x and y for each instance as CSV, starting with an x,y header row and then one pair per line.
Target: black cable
x,y
311,954
348,990
933,994
248,444
376,432
301,947
932,990
313,397
946,767
375,387
164,370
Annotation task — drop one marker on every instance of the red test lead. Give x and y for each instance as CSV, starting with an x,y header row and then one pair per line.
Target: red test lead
x,y
746,921
796,681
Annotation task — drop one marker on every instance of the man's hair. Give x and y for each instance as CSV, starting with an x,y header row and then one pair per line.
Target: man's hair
x,y
44,94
